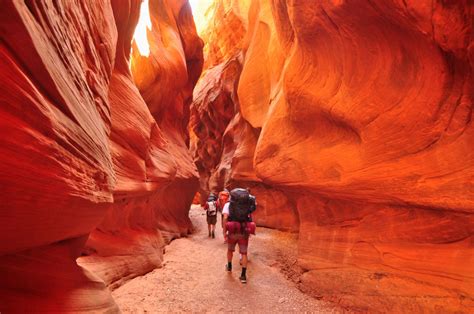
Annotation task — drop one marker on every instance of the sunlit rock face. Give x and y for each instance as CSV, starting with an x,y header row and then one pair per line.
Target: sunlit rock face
x,y
227,17
361,138
83,154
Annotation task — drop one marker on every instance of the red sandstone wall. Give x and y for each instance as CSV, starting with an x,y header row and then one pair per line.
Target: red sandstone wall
x,y
361,131
83,153
156,178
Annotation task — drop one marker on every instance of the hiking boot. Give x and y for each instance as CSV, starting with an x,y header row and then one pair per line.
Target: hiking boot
x,y
228,267
243,279
213,236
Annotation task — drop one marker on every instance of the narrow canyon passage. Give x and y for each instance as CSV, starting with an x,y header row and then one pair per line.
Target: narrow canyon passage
x,y
193,279
351,121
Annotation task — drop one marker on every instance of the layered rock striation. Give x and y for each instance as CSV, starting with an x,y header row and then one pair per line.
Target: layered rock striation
x,y
89,165
361,136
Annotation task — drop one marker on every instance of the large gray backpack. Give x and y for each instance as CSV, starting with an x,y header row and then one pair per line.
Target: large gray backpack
x,y
211,209
239,207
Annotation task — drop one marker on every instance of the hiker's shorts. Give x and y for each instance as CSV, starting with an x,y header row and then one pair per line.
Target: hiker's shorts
x,y
211,220
240,239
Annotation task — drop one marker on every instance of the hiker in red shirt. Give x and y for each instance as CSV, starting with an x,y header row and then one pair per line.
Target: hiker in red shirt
x,y
222,199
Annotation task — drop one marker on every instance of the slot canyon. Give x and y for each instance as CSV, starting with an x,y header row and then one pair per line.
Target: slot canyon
x,y
349,120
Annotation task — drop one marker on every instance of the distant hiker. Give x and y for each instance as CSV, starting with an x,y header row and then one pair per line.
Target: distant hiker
x,y
211,214
221,201
237,227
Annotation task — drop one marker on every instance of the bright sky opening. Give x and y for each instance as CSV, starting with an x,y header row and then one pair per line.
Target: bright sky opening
x,y
140,35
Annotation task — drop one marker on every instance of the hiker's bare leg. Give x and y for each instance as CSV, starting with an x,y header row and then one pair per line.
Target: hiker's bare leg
x,y
244,260
229,256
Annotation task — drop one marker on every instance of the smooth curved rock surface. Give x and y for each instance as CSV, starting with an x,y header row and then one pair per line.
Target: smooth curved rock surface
x,y
86,166
212,112
362,118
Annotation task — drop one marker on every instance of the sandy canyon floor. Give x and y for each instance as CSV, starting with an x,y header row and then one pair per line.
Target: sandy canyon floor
x,y
193,277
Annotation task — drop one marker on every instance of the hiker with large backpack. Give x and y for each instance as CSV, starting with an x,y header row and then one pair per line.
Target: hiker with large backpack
x,y
237,227
211,214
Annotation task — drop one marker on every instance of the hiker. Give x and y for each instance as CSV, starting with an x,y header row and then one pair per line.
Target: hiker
x,y
237,227
211,214
222,199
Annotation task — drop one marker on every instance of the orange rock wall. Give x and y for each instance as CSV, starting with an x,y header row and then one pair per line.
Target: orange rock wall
x,y
211,113
84,156
355,125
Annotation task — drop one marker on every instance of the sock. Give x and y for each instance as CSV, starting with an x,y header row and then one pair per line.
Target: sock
x,y
244,271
